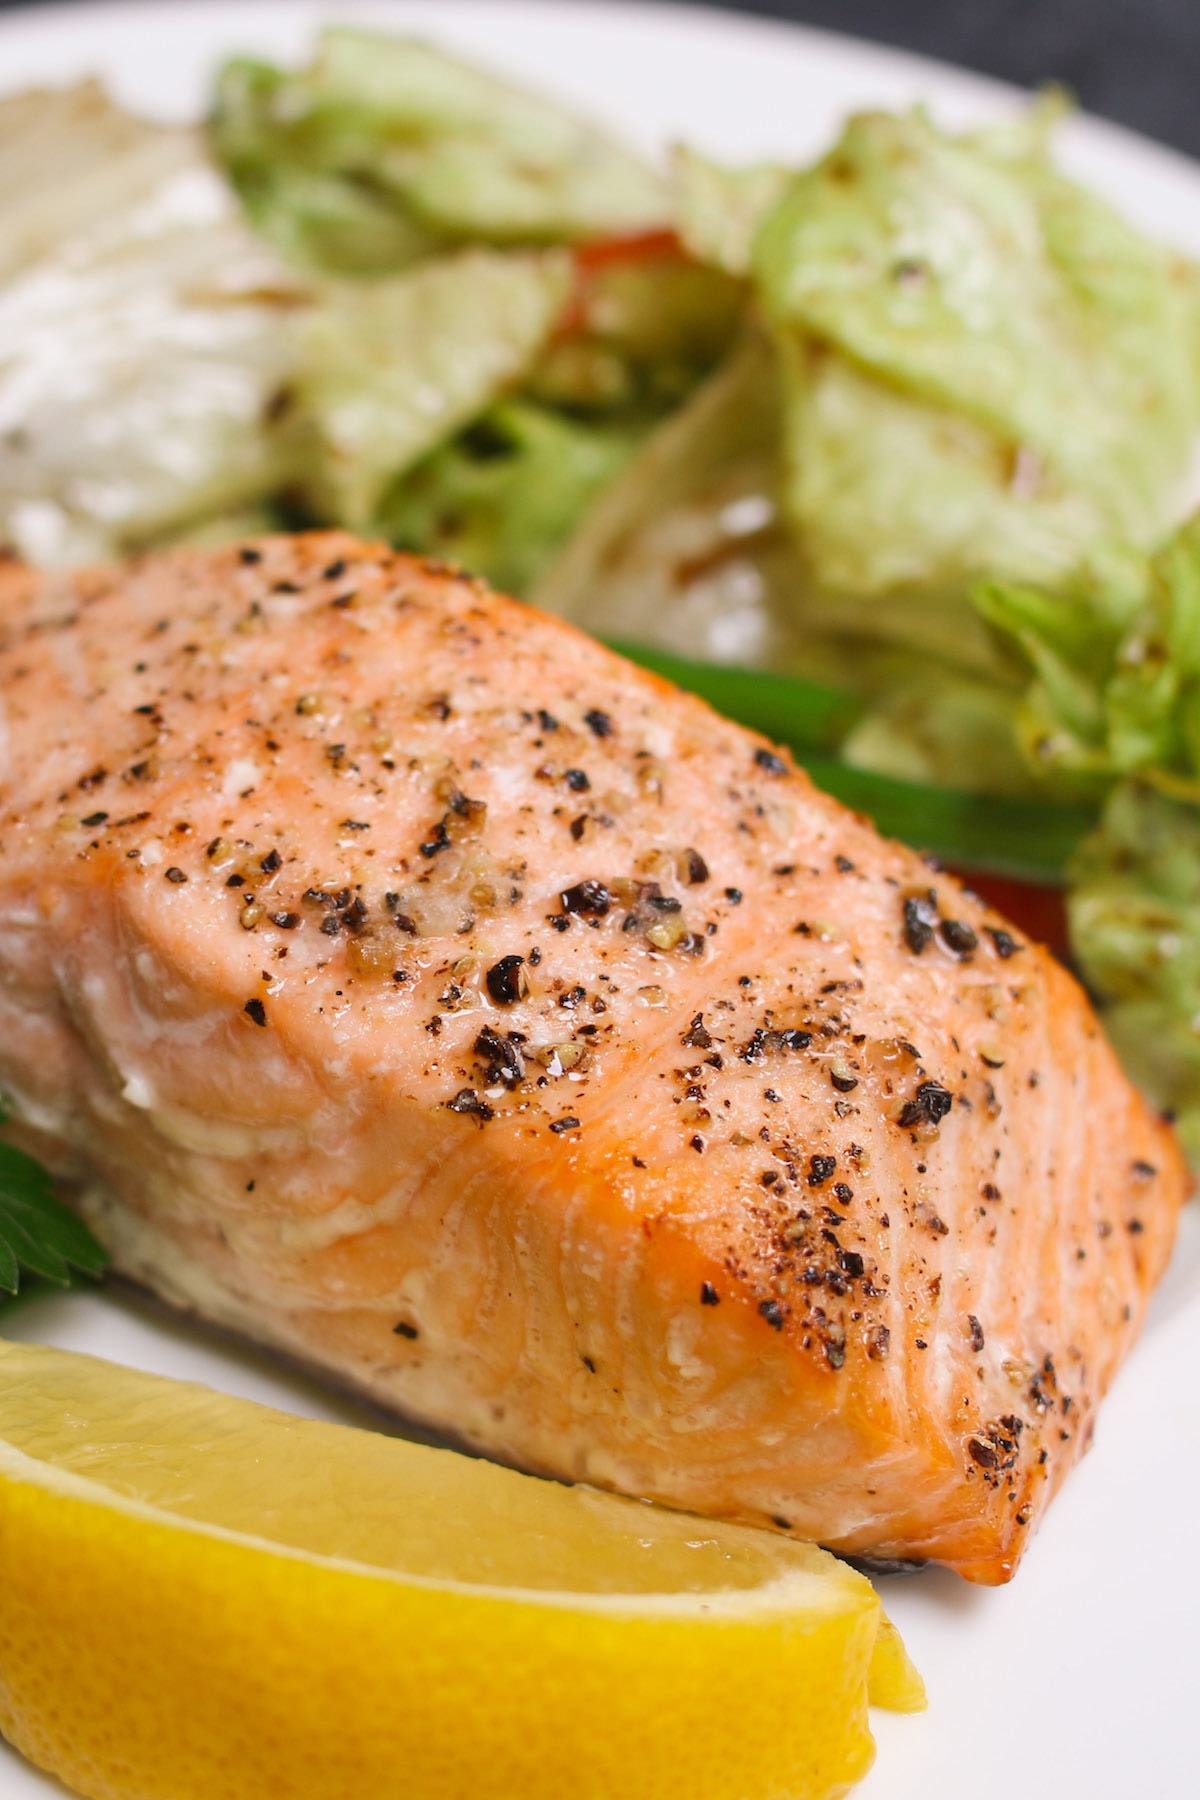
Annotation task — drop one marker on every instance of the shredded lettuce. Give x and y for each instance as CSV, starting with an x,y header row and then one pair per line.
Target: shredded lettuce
x,y
718,210
970,366
1134,915
645,326
896,504
986,371
973,367
390,369
384,150
144,333
321,207
1116,687
686,549
1114,709
503,496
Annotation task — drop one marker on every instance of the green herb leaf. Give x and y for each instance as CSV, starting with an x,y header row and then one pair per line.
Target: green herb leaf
x,y
38,1234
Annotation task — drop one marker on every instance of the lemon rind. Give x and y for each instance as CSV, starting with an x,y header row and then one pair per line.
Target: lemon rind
x,y
797,1592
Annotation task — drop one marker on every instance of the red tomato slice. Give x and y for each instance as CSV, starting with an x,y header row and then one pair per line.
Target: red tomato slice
x,y
633,247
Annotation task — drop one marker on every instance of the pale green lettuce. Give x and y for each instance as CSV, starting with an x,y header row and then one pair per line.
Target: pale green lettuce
x,y
718,210
642,331
390,369
686,549
1116,687
974,368
930,722
384,150
503,496
1114,709
1134,913
986,370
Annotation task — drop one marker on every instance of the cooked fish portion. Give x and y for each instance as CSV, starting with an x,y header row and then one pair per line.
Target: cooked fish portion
x,y
404,980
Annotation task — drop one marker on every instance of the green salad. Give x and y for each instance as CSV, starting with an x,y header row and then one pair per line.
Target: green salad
x,y
887,454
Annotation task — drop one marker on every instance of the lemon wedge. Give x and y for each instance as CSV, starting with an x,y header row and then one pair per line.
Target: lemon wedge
x,y
201,1597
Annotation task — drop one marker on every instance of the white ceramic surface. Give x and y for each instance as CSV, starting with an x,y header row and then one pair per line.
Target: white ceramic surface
x,y
1078,1680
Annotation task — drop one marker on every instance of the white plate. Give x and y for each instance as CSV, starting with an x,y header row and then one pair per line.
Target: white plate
x,y
1079,1679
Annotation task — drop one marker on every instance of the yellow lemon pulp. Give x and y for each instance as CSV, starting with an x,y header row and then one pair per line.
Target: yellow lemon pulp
x,y
204,1599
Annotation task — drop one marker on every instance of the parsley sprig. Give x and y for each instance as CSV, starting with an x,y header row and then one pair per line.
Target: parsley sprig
x,y
38,1234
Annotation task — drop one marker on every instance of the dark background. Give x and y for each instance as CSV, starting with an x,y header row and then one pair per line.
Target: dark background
x,y
1134,60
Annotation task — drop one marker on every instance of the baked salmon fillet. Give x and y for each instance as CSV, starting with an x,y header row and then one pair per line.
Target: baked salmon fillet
x,y
403,980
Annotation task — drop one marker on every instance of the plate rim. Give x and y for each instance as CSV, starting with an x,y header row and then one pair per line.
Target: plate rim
x,y
902,1743
35,18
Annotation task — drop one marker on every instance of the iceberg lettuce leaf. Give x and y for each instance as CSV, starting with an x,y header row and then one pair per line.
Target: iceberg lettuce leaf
x,y
1134,914
1114,709
1116,687
391,369
685,549
144,333
718,210
987,369
644,326
503,496
987,284
385,149
897,505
